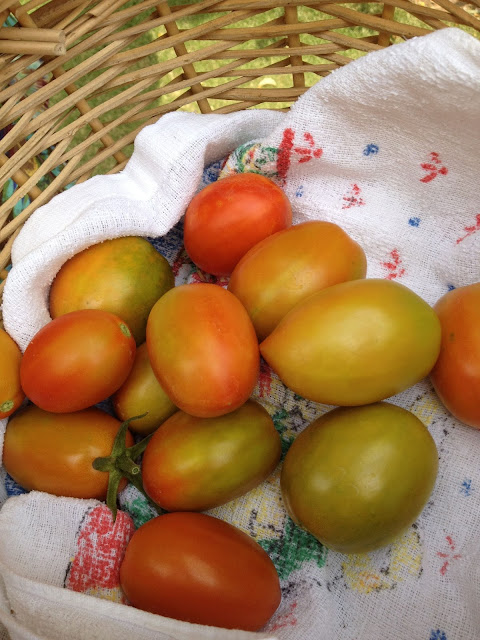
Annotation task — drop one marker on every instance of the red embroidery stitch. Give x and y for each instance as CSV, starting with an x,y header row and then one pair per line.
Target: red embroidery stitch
x,y
309,152
353,198
449,556
288,619
264,379
393,266
181,259
100,548
434,167
286,149
285,153
471,230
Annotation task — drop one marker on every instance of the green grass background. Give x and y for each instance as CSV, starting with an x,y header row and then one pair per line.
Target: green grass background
x,y
305,14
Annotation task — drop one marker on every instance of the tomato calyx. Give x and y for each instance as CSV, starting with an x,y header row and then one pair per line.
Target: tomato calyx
x,y
121,463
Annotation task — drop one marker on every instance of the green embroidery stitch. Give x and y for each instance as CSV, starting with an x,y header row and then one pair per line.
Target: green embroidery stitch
x,y
293,549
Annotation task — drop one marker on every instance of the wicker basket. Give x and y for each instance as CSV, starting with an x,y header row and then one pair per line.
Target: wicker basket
x,y
80,78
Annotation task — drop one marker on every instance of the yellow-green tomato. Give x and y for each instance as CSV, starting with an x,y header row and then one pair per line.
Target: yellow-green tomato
x,y
357,477
142,393
194,464
125,276
290,265
355,343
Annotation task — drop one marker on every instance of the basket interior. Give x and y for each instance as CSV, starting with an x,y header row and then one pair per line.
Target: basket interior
x,y
70,114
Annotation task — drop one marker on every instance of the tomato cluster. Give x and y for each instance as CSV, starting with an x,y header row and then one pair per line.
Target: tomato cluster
x,y
180,363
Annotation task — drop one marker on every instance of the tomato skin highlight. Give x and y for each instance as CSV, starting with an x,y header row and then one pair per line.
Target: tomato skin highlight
x,y
195,464
228,217
142,393
197,568
11,392
77,360
456,374
203,349
357,477
124,276
288,266
54,452
355,343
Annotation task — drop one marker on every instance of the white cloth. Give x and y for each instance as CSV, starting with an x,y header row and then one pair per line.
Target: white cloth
x,y
387,147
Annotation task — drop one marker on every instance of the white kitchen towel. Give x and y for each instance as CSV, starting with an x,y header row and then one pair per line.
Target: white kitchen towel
x,y
387,147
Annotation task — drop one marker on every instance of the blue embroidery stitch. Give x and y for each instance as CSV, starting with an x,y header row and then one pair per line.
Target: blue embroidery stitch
x,y
299,192
451,287
12,488
466,487
371,150
414,222
438,635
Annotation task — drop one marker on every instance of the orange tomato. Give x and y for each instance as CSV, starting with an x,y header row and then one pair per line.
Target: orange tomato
x,y
77,360
11,393
288,266
203,349
456,374
54,452
193,567
228,217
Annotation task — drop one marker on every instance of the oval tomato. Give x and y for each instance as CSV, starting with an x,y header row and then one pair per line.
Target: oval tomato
x,y
11,393
228,217
193,567
290,265
54,452
456,374
203,349
357,477
354,343
77,360
124,276
141,392
195,464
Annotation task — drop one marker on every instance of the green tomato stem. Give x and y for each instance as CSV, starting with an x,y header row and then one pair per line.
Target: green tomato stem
x,y
121,463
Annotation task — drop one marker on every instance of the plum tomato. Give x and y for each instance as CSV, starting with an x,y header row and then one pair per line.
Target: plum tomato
x,y
142,393
357,477
11,392
77,360
456,374
203,349
194,567
124,276
288,266
228,217
355,342
54,452
195,464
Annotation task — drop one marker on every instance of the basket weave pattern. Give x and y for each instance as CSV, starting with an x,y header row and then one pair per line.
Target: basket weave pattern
x,y
79,79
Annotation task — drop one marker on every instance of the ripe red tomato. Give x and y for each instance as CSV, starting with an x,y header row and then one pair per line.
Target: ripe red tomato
x,y
355,342
228,217
456,374
203,349
195,464
11,393
357,477
142,393
125,276
288,266
54,452
77,360
193,567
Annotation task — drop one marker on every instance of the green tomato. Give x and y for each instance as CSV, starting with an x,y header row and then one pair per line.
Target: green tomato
x,y
194,464
357,477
